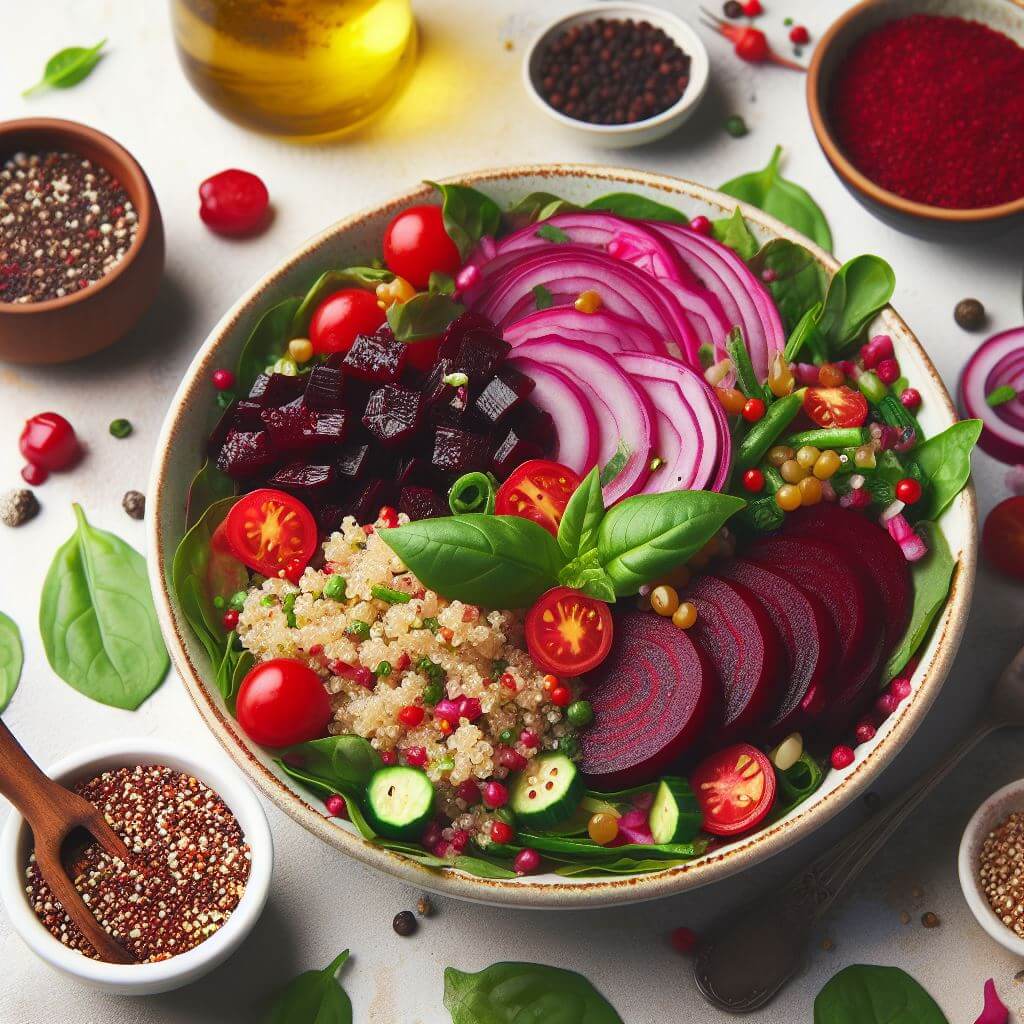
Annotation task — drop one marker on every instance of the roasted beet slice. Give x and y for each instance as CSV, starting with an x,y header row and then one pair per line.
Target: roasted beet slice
x,y
457,452
512,451
314,484
653,697
276,389
325,388
376,357
737,635
808,640
245,453
422,503
503,394
393,414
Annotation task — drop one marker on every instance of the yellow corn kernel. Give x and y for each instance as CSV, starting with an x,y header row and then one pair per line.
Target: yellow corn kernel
x,y
300,349
685,615
792,472
588,302
780,377
864,457
396,290
603,828
810,490
807,456
779,454
787,497
664,600
827,465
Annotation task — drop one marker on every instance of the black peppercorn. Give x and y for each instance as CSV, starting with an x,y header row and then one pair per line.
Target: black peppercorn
x,y
969,314
405,923
134,503
733,9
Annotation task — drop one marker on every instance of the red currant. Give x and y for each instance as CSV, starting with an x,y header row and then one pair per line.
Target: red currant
x,y
526,862
501,832
752,8
888,371
230,619
701,225
49,441
468,791
911,398
495,794
842,757
908,491
335,805
799,36
900,688
416,756
753,481
753,409
561,696
233,203
885,705
865,731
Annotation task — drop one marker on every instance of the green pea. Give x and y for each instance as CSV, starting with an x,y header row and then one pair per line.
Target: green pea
x,y
238,600
383,669
288,607
120,428
424,664
736,126
219,602
580,712
359,629
432,693
334,588
267,600
506,736
432,624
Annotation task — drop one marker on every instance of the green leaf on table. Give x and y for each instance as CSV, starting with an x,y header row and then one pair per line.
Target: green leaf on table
x,y
865,994
628,204
314,997
12,658
267,342
733,232
332,281
468,215
796,280
859,290
577,532
518,993
344,763
538,206
209,484
68,67
425,315
945,462
97,619
769,191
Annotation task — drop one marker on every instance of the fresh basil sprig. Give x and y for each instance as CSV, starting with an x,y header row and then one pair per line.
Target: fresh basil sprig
x,y
424,316
12,658
468,215
577,532
332,281
314,997
68,67
865,994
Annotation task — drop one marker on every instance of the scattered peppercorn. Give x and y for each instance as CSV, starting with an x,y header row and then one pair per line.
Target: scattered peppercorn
x,y
732,9
930,920
134,503
969,314
405,923
18,506
424,906
736,126
120,428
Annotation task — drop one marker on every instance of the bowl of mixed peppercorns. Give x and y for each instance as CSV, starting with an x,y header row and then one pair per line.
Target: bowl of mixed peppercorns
x,y
81,241
617,75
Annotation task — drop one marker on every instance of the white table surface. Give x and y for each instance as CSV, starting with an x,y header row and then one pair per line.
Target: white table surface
x,y
465,109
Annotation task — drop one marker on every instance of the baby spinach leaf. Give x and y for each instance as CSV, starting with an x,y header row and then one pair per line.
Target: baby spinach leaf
x,y
645,536
514,993
538,206
858,291
233,670
945,462
931,576
733,232
468,215
97,619
552,233
796,280
12,658
496,561
769,191
577,532
333,281
807,334
424,316
314,997
341,762
267,342
865,994
542,298
440,283
627,204
68,67
209,484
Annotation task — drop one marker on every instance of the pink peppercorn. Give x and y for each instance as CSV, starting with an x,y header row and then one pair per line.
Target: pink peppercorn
x,y
388,757
911,398
459,840
416,756
701,225
509,757
529,738
842,757
335,805
526,862
468,791
501,832
888,371
495,794
230,619
865,731
885,705
900,688
223,379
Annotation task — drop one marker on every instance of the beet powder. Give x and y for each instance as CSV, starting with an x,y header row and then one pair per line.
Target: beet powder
x,y
932,108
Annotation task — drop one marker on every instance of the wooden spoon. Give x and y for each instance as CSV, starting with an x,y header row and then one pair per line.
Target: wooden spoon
x,y
53,813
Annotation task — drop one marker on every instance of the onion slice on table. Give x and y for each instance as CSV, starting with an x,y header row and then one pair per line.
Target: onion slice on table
x,y
999,362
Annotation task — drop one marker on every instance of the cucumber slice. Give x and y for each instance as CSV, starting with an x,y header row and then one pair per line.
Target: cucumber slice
x,y
675,815
400,802
547,792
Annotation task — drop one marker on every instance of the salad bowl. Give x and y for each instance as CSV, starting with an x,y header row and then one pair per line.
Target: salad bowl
x,y
346,243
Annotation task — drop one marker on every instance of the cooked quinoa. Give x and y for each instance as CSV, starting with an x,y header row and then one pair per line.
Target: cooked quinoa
x,y
480,653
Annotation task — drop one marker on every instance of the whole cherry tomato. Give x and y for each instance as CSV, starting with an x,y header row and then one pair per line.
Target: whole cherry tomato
x,y
342,317
416,243
281,702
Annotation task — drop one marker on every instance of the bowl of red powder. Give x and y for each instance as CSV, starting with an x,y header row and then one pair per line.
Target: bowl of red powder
x,y
919,107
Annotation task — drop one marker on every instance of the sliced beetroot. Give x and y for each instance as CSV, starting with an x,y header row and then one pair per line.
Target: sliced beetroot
x,y
737,635
653,697
808,638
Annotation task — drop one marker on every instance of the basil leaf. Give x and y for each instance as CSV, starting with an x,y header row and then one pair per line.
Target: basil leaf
x,y
441,283
864,994
645,536
12,658
857,292
931,576
495,561
551,233
314,997
733,232
538,206
97,619
945,462
514,993
796,281
267,342
594,583
769,191
424,316
626,204
542,298
342,762
332,281
68,67
577,532
468,215
209,484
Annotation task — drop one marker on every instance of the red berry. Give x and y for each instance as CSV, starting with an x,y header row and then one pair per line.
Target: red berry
x,y
230,619
753,410
459,840
701,225
410,716
223,380
364,677
33,474
501,832
48,440
842,757
561,696
908,491
416,756
753,481
911,398
888,371
404,661
752,8
751,45
683,940
431,835
798,35
900,688
526,862
885,705
509,757
389,758
335,805
529,738
495,794
468,791
233,202
865,731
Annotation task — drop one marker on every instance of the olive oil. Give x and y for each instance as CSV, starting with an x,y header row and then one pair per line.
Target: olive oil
x,y
300,68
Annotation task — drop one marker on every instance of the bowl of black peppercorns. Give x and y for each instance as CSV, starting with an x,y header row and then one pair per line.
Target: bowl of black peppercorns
x,y
617,75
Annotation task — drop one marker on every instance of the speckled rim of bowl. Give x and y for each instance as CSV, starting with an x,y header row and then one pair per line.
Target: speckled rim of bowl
x,y
844,167
565,893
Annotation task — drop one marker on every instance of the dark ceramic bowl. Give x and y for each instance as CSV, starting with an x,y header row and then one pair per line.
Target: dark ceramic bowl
x,y
86,321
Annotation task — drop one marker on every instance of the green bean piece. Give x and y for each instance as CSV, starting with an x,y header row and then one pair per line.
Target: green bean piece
x,y
762,516
896,414
383,593
871,387
772,478
764,433
472,492
746,378
829,437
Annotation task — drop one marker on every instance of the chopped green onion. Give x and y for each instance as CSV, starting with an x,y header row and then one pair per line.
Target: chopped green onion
x,y
383,669
238,600
446,764
383,593
542,298
267,600
334,588
706,356
616,464
1001,396
456,380
288,606
431,623
359,629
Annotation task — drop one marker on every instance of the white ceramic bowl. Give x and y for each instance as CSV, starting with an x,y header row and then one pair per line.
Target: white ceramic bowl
x,y
142,979
619,136
991,813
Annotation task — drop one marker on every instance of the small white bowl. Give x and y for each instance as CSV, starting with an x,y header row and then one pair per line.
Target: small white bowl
x,y
638,133
999,806
142,979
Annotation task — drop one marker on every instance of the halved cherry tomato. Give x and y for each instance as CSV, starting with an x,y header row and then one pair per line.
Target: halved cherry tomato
x,y
268,529
735,788
836,407
342,317
416,243
1003,537
568,633
537,490
281,702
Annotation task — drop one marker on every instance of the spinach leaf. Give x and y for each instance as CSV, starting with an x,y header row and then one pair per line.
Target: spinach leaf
x,y
552,233
468,215
945,462
12,658
538,206
440,283
344,763
267,342
209,484
577,532
68,67
233,669
733,232
579,850
515,993
795,279
542,298
858,291
626,204
645,536
424,316
496,561
333,281
806,333
769,191
931,576
865,994
314,997
97,619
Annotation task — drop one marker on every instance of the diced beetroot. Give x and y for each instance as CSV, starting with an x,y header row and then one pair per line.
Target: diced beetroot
x,y
330,428
414,472
474,347
291,428
512,451
422,503
353,461
434,388
467,329
738,637
325,388
376,357
246,453
535,425
367,502
276,389
248,415
653,698
312,484
808,640
393,414
457,452
505,392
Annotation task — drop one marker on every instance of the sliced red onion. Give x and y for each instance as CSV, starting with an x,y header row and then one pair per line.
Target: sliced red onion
x,y
911,543
605,330
997,363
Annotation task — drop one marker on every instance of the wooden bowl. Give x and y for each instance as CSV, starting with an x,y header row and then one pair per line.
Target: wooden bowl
x,y
1006,16
86,321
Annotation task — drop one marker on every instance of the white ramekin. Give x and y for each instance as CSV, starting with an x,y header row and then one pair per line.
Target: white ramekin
x,y
142,979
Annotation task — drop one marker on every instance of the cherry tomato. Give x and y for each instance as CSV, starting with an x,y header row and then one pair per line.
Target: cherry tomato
x,y
269,530
908,491
49,441
751,45
282,702
1002,539
735,788
233,202
568,633
416,243
537,490
342,317
836,407
753,410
